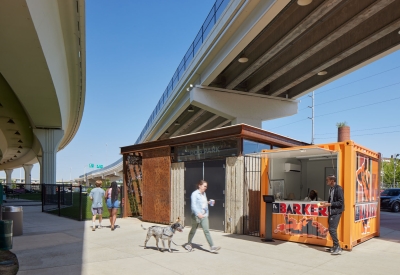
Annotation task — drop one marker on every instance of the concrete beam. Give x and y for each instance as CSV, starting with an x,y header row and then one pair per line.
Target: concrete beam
x,y
351,24
310,20
240,106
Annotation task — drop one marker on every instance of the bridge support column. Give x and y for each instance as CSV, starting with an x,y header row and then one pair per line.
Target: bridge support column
x,y
28,169
8,176
49,140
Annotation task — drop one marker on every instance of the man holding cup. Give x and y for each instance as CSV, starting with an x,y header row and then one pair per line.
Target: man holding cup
x,y
335,206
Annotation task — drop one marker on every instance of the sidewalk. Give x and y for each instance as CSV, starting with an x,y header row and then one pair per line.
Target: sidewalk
x,y
54,245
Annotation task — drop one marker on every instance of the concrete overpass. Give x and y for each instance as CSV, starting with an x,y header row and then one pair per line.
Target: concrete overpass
x,y
42,82
112,172
251,60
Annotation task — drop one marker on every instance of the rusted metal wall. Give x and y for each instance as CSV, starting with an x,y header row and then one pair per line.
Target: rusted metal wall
x,y
133,184
156,187
234,195
177,191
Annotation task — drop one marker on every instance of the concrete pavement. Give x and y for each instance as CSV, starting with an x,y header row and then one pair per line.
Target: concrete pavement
x,y
56,245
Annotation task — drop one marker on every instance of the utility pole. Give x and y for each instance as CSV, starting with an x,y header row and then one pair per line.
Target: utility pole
x,y
312,117
394,169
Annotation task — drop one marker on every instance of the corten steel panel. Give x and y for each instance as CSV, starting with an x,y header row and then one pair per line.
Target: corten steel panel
x,y
126,206
156,185
133,183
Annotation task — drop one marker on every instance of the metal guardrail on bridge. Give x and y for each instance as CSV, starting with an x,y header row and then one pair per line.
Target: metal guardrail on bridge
x,y
216,11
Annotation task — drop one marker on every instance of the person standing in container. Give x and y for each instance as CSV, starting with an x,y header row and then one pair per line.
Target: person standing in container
x,y
335,206
199,216
313,196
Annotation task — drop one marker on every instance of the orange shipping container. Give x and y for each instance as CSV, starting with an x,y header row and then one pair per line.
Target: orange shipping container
x,y
290,174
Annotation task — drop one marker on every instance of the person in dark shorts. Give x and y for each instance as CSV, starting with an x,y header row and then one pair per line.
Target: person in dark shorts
x,y
97,195
113,203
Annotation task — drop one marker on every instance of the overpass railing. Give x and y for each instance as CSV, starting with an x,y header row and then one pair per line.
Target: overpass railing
x,y
216,11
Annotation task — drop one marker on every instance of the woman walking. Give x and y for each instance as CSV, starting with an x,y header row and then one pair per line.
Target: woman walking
x,y
199,206
113,203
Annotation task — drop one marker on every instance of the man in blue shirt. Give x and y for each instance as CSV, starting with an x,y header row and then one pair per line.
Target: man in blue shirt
x,y
97,195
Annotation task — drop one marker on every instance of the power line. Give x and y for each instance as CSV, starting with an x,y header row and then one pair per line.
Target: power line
x,y
358,80
363,129
359,107
289,123
379,133
340,111
353,95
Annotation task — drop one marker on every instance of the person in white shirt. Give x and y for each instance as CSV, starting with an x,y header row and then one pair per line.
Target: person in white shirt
x,y
199,217
312,196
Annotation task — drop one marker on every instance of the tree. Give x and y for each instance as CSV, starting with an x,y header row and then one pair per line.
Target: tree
x,y
388,172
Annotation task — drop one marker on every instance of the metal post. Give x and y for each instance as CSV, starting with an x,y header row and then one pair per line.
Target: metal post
x,y
80,202
312,117
58,190
43,196
122,200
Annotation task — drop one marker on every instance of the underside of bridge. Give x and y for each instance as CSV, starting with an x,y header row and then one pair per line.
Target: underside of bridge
x,y
301,49
42,82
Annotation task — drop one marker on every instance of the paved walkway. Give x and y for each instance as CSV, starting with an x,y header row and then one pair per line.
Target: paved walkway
x,y
54,245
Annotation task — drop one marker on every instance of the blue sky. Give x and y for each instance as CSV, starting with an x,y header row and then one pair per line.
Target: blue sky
x,y
134,47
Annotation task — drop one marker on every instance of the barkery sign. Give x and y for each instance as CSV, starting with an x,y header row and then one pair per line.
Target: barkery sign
x,y
207,150
299,208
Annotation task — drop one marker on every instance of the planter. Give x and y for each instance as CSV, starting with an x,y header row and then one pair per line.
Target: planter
x,y
343,133
8,263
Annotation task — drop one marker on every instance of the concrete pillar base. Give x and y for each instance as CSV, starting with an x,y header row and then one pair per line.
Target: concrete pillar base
x,y
49,140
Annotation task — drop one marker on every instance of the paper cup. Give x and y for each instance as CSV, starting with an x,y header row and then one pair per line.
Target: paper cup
x,y
212,202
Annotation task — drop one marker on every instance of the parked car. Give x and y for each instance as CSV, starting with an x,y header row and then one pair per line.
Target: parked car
x,y
390,199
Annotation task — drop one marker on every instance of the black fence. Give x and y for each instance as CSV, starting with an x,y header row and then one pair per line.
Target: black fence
x,y
25,194
71,201
63,200
56,197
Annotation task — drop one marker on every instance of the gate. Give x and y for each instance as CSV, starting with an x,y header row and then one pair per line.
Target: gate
x,y
252,195
56,196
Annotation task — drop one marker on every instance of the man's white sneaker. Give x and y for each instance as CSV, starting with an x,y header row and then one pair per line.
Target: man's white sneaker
x,y
214,249
99,227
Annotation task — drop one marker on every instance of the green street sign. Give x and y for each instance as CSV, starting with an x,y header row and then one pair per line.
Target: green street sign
x,y
91,165
99,165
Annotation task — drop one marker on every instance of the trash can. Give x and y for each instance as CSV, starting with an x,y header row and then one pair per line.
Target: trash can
x,y
14,213
6,227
